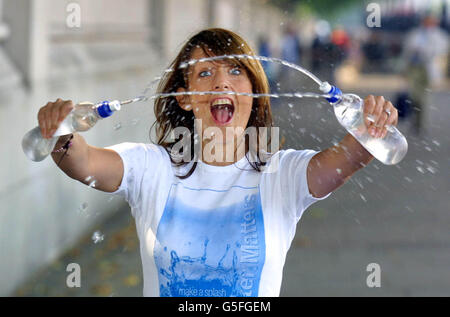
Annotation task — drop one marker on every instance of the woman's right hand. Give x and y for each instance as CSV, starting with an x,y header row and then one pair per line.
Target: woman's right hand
x,y
52,114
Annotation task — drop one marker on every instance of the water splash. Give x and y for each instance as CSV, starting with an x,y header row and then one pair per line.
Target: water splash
x,y
145,94
218,281
82,210
253,57
91,180
97,237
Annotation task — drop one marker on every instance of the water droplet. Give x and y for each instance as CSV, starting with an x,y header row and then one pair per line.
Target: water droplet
x,y
370,118
338,170
290,105
420,169
431,169
436,143
363,198
135,121
97,237
117,126
82,210
408,179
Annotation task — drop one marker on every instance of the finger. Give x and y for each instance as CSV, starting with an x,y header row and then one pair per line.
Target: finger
x,y
391,121
379,107
369,107
394,116
386,109
48,119
380,124
376,113
65,110
387,112
41,121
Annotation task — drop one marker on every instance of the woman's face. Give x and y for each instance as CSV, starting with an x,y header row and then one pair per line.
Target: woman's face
x,y
221,111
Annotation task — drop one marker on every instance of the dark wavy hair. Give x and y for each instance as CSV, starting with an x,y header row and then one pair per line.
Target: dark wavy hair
x,y
169,115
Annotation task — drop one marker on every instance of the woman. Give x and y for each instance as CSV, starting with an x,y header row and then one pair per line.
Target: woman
x,y
219,220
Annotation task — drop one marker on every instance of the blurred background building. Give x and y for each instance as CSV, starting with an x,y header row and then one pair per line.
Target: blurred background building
x,y
119,46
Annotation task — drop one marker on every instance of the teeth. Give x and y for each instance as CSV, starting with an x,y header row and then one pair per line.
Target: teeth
x,y
221,102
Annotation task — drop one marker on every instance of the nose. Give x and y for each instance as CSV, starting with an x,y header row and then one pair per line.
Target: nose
x,y
221,86
221,81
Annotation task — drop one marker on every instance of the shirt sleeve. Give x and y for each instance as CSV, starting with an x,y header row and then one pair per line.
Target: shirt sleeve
x,y
136,158
294,182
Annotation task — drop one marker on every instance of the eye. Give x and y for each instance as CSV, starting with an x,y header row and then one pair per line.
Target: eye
x,y
205,73
236,71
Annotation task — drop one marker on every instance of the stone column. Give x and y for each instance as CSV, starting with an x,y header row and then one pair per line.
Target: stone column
x,y
27,46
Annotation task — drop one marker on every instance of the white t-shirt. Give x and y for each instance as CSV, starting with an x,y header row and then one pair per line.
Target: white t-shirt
x,y
223,231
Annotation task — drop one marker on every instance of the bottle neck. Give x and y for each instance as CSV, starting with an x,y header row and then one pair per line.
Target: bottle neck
x,y
333,92
107,108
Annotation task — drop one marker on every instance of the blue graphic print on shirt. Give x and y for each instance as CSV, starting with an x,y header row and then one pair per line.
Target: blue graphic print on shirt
x,y
210,248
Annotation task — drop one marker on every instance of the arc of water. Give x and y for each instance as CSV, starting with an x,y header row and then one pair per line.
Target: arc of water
x,y
192,62
254,57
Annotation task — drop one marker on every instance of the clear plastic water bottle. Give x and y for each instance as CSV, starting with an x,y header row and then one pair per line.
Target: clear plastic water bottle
x,y
349,111
82,117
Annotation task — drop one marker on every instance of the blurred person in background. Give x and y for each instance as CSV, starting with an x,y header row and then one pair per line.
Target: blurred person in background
x,y
375,53
291,52
423,48
323,53
341,40
265,50
290,47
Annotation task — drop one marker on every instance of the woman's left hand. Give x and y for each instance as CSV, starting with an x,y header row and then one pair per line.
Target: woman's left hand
x,y
379,113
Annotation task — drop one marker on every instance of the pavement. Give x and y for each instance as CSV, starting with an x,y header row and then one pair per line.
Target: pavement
x,y
395,216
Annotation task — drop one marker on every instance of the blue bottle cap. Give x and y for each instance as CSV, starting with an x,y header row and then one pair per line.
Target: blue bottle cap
x,y
334,92
104,110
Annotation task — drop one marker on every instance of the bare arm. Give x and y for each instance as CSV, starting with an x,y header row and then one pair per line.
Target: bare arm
x,y
87,163
81,160
332,167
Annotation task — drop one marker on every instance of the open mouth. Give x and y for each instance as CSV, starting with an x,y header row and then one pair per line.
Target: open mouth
x,y
222,110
